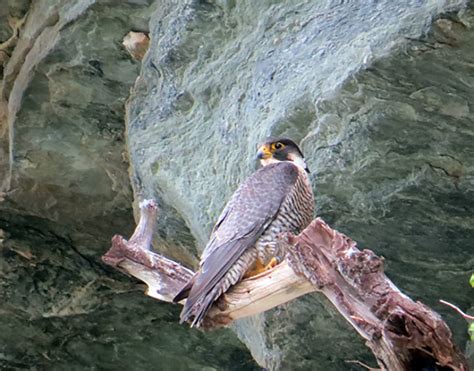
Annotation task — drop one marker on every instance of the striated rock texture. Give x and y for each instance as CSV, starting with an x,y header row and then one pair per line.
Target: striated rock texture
x,y
379,94
383,110
65,191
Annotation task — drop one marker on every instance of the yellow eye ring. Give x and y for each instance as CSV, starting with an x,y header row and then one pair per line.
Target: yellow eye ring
x,y
277,145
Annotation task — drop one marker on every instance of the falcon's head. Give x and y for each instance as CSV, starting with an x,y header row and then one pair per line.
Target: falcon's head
x,y
282,149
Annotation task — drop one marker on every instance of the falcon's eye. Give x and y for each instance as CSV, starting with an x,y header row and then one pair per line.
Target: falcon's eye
x,y
278,145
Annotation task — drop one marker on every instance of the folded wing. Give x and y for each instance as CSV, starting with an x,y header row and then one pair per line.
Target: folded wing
x,y
246,216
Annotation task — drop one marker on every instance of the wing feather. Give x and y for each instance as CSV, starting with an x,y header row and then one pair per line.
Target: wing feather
x,y
249,212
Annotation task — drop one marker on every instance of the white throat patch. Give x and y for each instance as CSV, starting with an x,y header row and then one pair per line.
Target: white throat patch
x,y
297,160
268,161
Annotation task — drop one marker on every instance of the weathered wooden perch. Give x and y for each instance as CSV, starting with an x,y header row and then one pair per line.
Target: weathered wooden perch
x,y
402,334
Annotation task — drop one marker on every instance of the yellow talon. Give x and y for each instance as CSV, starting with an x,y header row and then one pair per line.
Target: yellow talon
x,y
259,267
271,264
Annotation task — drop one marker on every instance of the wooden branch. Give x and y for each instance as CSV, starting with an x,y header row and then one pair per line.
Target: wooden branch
x,y
163,276
258,294
466,316
402,334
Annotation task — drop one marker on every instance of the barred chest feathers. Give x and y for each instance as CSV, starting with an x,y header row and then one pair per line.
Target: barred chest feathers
x,y
295,214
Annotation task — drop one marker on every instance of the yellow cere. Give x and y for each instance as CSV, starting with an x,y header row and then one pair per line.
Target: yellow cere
x,y
266,150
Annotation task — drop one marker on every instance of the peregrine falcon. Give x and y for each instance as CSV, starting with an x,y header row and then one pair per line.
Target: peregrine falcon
x,y
277,198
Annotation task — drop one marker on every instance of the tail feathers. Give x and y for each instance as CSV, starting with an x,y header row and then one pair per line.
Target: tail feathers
x,y
198,303
193,307
184,292
195,311
201,311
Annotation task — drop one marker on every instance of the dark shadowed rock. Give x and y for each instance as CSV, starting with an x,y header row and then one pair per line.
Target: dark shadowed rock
x,y
64,171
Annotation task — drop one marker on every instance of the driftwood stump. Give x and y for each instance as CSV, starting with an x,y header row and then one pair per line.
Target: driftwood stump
x,y
402,334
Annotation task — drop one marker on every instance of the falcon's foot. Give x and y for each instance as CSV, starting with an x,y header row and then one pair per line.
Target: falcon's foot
x,y
260,267
271,264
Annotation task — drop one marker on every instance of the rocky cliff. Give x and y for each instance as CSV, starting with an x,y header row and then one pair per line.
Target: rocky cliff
x,y
379,95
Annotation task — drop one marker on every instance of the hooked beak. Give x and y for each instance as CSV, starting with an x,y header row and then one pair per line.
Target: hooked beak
x,y
263,153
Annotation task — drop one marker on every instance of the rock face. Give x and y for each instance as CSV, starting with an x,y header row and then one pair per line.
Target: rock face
x,y
380,96
66,191
390,146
